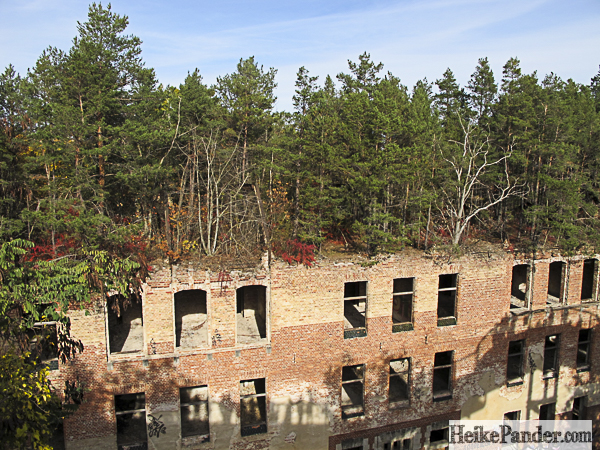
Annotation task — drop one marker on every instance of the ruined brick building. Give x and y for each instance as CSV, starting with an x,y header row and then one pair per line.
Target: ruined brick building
x,y
343,355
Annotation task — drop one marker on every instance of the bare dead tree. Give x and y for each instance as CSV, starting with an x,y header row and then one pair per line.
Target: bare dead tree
x,y
469,162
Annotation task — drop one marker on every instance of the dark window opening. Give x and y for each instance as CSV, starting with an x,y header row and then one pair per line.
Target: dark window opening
x,y
194,411
253,407
547,411
402,305
589,280
578,408
130,411
583,349
513,415
439,433
125,325
399,390
355,309
352,444
43,341
514,365
519,290
399,444
446,310
442,376
251,314
190,319
556,282
57,440
551,346
352,391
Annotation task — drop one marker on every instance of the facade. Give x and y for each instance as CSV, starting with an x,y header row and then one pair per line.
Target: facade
x,y
342,355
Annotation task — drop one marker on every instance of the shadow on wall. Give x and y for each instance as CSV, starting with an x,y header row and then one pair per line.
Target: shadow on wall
x,y
538,345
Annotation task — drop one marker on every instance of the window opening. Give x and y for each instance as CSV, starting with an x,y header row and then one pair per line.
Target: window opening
x,y
253,407
399,389
583,349
550,369
442,376
399,444
194,411
446,309
352,391
556,282
439,433
57,440
352,444
43,341
589,280
251,314
578,408
402,304
130,411
190,319
125,324
514,365
519,290
355,309
511,416
547,411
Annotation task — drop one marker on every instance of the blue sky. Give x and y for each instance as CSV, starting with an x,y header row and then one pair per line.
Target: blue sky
x,y
413,38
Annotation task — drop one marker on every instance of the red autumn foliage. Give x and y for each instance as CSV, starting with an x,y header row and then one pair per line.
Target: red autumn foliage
x,y
294,251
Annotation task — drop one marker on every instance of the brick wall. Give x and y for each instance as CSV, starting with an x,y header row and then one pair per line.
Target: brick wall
x,y
304,352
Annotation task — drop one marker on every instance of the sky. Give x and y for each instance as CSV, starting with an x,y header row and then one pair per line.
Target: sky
x,y
414,39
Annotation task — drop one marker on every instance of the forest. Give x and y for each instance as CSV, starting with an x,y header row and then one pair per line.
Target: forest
x,y
96,154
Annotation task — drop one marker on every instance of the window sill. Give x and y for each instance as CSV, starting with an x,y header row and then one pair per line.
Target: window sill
x,y
583,369
401,404
400,327
252,430
550,376
515,382
442,396
446,321
355,333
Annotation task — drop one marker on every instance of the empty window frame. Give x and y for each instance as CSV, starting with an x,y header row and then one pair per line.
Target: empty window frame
x,y
512,415
439,434
446,310
352,444
194,411
583,350
519,288
547,411
514,364
578,412
353,381
251,314
43,341
191,328
556,282
399,389
130,411
253,407
398,444
57,440
589,280
402,439
125,324
402,304
355,309
551,347
442,376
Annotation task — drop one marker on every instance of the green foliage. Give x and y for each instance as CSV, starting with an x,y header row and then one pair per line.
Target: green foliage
x,y
29,409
